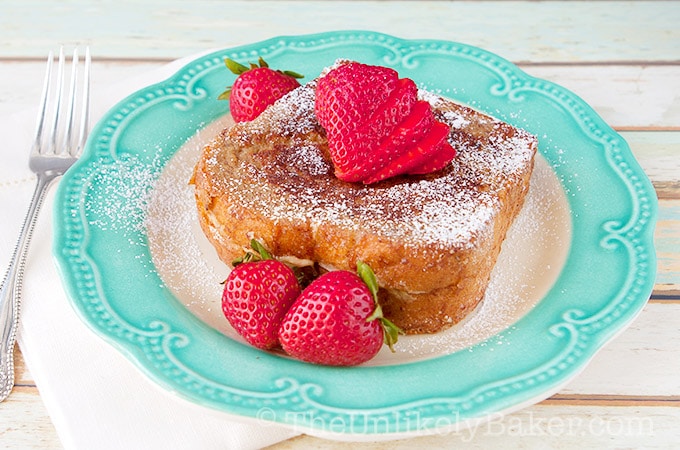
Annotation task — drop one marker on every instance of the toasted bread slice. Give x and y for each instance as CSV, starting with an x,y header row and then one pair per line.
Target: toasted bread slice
x,y
432,240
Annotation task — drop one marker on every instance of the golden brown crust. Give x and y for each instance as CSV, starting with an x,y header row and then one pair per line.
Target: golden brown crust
x,y
432,240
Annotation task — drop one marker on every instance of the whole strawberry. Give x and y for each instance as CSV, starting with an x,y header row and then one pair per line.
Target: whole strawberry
x,y
256,296
255,88
337,321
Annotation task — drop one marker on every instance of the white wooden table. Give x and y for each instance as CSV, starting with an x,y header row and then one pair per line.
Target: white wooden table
x,y
623,58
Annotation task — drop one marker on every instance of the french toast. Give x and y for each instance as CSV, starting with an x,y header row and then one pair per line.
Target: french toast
x,y
432,240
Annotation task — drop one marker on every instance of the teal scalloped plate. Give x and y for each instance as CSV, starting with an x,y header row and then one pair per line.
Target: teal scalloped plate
x,y
106,255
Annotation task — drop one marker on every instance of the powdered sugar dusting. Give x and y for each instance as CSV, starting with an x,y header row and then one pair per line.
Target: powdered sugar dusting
x,y
415,213
448,209
120,193
163,209
291,117
531,259
180,252
307,156
454,119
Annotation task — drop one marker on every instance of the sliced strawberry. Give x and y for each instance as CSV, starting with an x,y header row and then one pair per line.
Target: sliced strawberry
x,y
348,95
346,100
411,130
443,156
375,125
428,147
416,155
392,111
348,154
366,141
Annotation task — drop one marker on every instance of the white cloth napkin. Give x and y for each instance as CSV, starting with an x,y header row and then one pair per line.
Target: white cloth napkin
x,y
96,398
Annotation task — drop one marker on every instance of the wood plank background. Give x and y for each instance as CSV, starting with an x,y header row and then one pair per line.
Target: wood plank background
x,y
566,32
623,58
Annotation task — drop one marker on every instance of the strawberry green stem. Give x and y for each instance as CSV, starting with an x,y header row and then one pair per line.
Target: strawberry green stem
x,y
238,69
390,330
235,67
259,248
368,276
260,254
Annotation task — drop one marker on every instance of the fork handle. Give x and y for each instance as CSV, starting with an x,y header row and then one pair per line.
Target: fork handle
x,y
10,291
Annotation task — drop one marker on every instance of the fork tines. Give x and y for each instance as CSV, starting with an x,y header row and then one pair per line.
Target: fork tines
x,y
63,113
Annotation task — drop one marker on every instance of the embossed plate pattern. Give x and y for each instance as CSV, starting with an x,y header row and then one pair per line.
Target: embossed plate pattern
x,y
100,245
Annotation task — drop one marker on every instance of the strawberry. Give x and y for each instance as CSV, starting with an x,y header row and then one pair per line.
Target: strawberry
x,y
337,320
431,153
410,131
373,119
379,126
255,88
443,155
256,296
346,99
362,86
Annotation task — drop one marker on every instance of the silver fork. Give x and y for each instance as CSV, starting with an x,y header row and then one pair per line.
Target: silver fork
x,y
55,148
